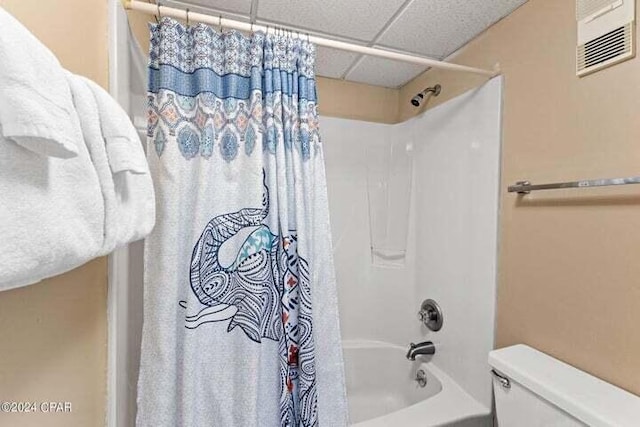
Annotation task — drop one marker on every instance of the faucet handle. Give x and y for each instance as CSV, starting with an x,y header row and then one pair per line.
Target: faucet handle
x,y
430,315
426,315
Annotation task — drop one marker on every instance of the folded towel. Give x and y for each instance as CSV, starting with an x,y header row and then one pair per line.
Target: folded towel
x,y
74,181
51,212
36,102
89,117
129,184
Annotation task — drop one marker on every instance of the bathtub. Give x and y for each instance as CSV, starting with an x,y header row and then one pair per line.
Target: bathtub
x,y
382,391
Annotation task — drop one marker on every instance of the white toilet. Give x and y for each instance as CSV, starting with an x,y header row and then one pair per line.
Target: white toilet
x,y
534,389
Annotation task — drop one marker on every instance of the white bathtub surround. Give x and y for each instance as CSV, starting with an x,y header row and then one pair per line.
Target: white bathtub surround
x,y
543,391
380,381
451,258
456,211
382,390
373,299
389,178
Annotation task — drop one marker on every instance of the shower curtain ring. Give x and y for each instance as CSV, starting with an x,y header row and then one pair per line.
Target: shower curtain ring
x,y
187,17
220,22
158,7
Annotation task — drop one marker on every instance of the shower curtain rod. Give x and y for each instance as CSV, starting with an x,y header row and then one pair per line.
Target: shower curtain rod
x,y
154,9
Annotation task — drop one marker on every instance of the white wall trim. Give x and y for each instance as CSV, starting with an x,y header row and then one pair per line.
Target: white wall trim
x,y
118,264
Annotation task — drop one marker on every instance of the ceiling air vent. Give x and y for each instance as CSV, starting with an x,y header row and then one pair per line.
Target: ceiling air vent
x,y
605,33
586,8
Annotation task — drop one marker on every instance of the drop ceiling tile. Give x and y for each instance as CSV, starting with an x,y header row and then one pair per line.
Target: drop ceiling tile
x,y
356,19
438,28
384,72
242,7
332,62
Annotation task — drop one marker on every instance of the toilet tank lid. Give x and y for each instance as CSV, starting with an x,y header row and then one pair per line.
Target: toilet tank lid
x,y
587,398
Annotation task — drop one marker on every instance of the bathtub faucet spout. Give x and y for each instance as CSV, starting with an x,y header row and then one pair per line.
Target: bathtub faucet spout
x,y
426,347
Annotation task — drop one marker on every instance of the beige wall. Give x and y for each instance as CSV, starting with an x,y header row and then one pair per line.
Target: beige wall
x,y
54,333
349,100
569,281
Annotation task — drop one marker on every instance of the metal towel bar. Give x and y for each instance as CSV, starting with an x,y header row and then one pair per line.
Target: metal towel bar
x,y
525,187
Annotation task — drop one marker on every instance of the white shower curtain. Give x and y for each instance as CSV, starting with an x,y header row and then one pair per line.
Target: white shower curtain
x,y
240,311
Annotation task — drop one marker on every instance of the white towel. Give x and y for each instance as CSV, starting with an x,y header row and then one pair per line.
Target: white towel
x,y
135,203
74,182
51,212
36,106
89,116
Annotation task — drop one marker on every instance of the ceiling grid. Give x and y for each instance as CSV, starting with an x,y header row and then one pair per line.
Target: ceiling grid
x,y
433,28
372,43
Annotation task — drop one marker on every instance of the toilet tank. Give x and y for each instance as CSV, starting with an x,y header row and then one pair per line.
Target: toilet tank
x,y
533,389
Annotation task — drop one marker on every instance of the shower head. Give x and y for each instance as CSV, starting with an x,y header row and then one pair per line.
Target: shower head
x,y
435,90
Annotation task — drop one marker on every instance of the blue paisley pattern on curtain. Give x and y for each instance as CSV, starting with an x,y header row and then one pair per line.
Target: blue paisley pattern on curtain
x,y
269,287
225,93
228,95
